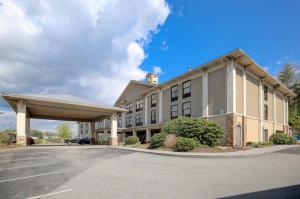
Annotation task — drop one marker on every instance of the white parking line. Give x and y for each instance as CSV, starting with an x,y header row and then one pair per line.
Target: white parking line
x,y
26,177
35,165
50,194
26,159
10,154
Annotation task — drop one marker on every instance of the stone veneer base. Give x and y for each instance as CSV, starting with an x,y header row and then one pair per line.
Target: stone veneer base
x,y
114,141
21,139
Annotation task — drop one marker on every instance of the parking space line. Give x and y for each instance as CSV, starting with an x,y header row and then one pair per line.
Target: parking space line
x,y
35,165
10,154
26,177
51,194
26,159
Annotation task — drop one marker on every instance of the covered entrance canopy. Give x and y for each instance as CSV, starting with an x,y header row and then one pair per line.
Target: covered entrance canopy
x,y
59,107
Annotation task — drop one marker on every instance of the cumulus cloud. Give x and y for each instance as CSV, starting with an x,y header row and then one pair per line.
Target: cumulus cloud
x,y
157,70
86,48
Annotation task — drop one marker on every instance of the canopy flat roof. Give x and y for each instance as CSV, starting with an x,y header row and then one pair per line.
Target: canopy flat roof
x,y
61,107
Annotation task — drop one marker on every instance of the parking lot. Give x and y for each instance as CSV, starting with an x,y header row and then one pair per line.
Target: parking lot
x,y
100,172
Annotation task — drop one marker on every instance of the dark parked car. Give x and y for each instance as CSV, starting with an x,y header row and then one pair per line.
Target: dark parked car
x,y
70,141
84,141
30,140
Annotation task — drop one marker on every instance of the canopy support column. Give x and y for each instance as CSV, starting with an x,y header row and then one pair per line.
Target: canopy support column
x,y
21,123
114,130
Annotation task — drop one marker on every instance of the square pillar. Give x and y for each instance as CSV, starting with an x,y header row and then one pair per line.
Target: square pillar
x,y
231,87
160,106
146,110
114,130
148,135
21,123
133,132
205,94
28,126
92,132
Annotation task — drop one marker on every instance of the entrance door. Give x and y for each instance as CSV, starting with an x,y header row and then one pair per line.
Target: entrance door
x,y
238,135
142,136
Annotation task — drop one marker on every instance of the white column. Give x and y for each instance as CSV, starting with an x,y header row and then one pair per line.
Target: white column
x,y
106,135
287,112
231,87
21,123
274,110
148,135
244,92
261,110
114,130
205,94
92,131
160,111
133,132
284,111
124,119
146,110
27,126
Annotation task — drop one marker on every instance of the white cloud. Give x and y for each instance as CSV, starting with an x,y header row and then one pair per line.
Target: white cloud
x,y
157,70
87,48
180,11
164,45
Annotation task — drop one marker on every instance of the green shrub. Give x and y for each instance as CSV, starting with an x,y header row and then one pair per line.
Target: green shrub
x,y
185,144
132,140
157,140
4,138
292,140
262,144
204,131
280,138
250,144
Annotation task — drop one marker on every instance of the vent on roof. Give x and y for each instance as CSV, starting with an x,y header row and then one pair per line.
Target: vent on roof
x,y
152,78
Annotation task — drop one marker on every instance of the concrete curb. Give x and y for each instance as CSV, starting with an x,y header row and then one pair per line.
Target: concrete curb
x,y
237,154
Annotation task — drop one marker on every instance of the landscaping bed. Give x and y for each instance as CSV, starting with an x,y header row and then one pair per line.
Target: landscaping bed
x,y
10,146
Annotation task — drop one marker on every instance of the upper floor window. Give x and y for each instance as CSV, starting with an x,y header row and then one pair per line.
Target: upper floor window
x,y
139,105
139,120
153,117
119,122
174,93
186,89
153,100
266,93
129,121
174,111
129,108
266,112
186,109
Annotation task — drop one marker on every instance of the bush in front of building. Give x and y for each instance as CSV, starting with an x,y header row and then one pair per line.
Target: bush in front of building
x,y
281,138
185,144
4,138
204,131
132,140
292,140
262,144
157,140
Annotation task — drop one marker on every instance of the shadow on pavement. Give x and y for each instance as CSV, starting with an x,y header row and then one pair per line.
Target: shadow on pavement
x,y
290,192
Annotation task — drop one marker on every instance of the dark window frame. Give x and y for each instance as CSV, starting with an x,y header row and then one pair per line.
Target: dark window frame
x,y
266,112
129,108
129,121
266,92
174,93
186,94
139,105
153,99
174,116
153,116
189,108
139,120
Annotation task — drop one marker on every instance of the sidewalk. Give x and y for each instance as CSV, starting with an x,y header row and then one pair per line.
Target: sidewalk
x,y
236,154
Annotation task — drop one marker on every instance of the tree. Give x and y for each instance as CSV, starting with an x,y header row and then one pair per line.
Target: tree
x,y
287,75
36,133
63,130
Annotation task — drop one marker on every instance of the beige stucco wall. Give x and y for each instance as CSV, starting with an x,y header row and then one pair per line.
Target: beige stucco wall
x,y
252,130
239,90
279,127
217,92
252,96
269,126
269,102
279,109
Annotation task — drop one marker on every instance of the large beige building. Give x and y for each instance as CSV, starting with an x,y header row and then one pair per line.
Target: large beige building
x,y
232,90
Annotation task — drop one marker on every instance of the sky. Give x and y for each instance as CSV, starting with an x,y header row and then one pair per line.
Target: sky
x,y
93,48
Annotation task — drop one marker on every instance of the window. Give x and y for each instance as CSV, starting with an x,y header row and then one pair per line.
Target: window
x,y
139,105
153,100
86,128
186,89
153,117
265,112
174,111
129,108
186,109
139,120
266,93
174,93
129,121
119,122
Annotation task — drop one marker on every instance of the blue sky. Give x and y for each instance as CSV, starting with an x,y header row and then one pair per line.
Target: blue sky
x,y
198,31
90,48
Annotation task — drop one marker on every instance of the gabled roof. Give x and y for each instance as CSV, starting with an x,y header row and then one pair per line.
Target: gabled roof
x,y
240,57
129,87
